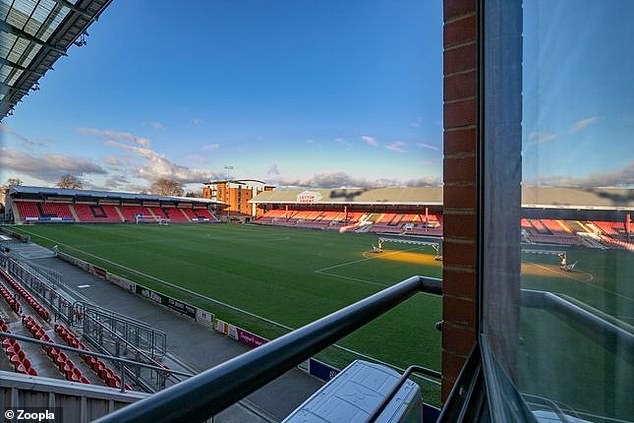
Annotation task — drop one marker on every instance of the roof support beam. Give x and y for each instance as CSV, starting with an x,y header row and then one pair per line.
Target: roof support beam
x,y
74,8
19,67
9,28
12,88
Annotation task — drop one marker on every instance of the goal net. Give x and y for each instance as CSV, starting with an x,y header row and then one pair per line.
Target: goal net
x,y
151,219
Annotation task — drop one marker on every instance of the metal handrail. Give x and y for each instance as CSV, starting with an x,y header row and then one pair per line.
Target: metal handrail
x,y
593,325
92,353
385,401
212,391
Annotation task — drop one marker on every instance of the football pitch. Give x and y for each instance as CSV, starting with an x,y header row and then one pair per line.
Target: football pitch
x,y
273,279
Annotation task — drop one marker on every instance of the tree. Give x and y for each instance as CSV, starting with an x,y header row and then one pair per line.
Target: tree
x,y
14,181
166,186
69,181
193,194
5,188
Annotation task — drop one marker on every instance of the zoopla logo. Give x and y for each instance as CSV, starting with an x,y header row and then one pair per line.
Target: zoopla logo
x,y
25,415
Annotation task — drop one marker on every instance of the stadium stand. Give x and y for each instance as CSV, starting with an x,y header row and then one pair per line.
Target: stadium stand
x,y
28,298
131,212
418,211
48,205
96,214
16,355
175,215
105,373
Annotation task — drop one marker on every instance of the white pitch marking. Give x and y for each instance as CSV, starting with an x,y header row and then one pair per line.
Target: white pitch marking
x,y
83,286
365,258
589,284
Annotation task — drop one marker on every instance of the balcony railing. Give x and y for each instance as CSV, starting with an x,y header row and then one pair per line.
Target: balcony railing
x,y
210,392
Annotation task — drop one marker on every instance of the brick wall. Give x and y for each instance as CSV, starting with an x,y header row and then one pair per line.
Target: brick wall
x,y
459,247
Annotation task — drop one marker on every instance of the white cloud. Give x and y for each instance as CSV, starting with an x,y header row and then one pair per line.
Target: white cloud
x,y
582,124
540,137
416,122
196,121
428,146
112,134
153,164
396,146
112,160
211,147
310,141
369,140
27,142
47,167
274,170
157,125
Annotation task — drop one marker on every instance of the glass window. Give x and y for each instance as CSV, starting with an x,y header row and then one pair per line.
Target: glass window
x,y
558,252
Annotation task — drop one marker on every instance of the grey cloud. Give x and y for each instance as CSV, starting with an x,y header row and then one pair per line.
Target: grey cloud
x,y
273,170
342,179
623,176
47,167
27,142
116,181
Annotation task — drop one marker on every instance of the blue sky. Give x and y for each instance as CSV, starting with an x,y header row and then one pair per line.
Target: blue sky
x,y
578,93
287,91
320,93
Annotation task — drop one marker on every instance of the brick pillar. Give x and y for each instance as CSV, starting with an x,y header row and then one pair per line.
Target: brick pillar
x,y
459,202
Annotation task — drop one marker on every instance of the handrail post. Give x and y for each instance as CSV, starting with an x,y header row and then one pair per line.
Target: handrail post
x,y
122,377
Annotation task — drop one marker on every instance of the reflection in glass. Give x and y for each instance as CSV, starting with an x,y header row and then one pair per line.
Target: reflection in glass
x,y
578,181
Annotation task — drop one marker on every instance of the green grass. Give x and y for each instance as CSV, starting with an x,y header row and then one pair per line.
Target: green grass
x,y
274,273
271,272
573,368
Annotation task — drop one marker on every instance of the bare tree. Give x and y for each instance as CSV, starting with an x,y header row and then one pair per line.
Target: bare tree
x,y
194,194
5,188
69,181
14,181
165,186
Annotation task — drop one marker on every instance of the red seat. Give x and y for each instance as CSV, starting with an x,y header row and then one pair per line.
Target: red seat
x,y
67,367
73,374
54,353
112,382
105,373
17,358
128,387
60,359
14,349
84,380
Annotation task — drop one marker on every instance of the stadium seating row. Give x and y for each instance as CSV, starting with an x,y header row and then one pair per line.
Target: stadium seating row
x,y
64,364
10,299
35,304
333,220
15,353
98,366
88,213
